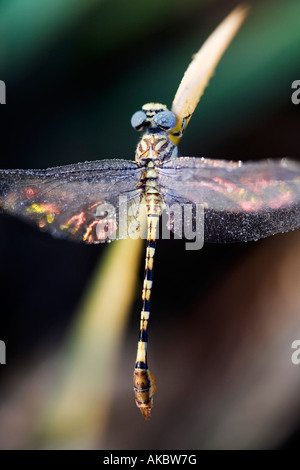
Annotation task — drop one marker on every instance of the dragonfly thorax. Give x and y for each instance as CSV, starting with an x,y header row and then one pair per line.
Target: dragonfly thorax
x,y
155,147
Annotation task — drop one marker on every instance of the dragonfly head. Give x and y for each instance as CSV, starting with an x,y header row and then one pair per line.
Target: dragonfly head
x,y
153,116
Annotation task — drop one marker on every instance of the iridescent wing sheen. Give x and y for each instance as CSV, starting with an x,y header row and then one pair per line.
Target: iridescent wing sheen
x,y
242,201
78,202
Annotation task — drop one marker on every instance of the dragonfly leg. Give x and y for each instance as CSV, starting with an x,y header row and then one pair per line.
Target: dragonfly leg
x,y
184,123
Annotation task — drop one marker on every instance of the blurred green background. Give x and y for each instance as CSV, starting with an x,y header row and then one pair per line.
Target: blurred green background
x,y
223,319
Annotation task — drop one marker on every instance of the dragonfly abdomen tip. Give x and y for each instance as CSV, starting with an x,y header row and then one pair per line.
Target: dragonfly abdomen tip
x,y
144,389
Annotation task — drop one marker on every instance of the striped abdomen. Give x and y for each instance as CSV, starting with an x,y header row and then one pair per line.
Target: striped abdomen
x,y
152,149
144,384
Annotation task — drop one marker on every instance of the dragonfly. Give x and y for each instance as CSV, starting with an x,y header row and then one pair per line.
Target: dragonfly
x,y
240,201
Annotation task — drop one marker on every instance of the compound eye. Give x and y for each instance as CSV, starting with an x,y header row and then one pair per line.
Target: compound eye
x,y
138,120
165,120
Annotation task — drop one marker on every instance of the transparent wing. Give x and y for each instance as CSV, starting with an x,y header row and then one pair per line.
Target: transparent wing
x,y
79,201
242,201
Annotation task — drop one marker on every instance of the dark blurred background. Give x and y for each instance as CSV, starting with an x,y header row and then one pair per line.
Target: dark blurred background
x,y
222,323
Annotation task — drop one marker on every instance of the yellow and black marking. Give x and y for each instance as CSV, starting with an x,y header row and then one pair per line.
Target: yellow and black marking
x,y
144,384
154,148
